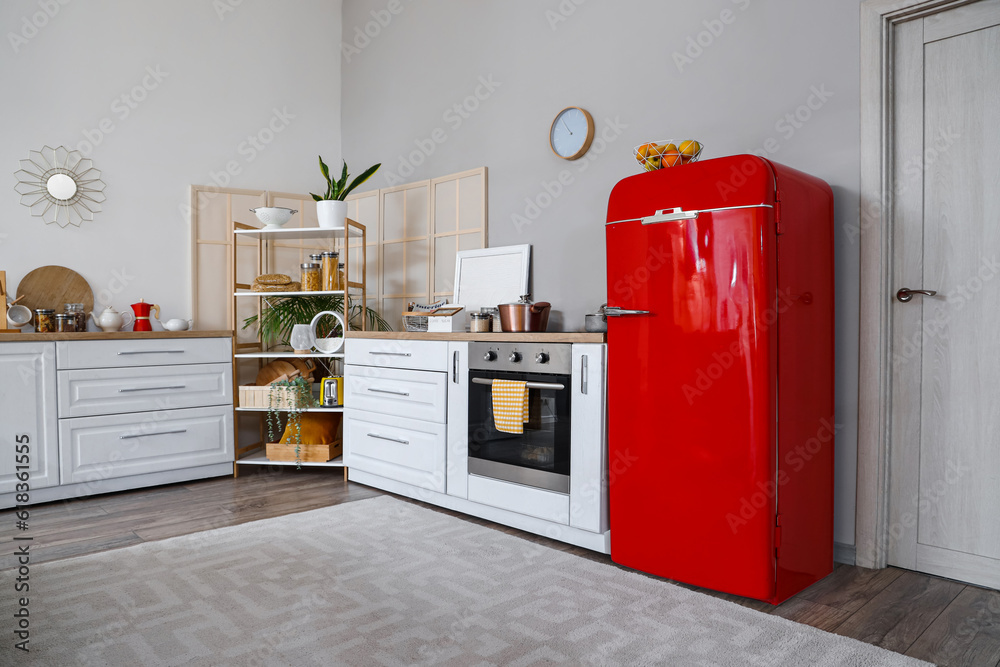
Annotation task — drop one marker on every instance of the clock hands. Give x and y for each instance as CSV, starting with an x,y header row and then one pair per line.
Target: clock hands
x,y
563,120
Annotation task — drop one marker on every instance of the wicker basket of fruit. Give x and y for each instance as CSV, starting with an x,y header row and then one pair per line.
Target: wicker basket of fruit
x,y
667,153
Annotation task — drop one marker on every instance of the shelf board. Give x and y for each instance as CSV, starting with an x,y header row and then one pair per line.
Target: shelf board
x,y
287,355
262,460
333,293
339,409
298,233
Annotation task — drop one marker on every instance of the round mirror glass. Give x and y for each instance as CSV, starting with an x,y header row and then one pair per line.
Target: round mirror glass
x,y
61,186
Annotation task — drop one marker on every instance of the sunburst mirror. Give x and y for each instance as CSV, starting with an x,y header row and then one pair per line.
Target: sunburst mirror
x,y
60,186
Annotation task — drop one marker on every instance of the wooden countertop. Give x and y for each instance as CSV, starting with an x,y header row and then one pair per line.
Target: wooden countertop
x,y
117,335
540,337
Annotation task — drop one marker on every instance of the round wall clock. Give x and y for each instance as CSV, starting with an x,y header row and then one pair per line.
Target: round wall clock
x,y
571,133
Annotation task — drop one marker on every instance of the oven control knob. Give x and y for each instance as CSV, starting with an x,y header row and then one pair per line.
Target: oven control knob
x,y
514,357
490,356
542,358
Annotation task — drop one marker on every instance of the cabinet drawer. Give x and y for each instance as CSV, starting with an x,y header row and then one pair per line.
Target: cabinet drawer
x,y
405,450
412,394
143,352
428,355
86,393
96,448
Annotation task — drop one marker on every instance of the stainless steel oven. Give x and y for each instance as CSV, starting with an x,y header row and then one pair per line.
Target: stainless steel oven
x,y
540,456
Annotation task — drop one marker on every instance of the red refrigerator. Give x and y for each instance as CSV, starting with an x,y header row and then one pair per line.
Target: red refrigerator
x,y
720,342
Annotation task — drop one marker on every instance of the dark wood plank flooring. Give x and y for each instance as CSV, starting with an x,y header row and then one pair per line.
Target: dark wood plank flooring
x,y
930,618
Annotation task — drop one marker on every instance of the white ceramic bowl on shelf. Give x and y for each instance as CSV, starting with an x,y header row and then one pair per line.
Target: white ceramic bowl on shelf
x,y
273,217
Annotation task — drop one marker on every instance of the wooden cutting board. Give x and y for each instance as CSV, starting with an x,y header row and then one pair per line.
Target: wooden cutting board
x,y
53,287
275,370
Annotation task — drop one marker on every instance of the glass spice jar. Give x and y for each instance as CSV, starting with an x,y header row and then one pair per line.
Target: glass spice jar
x,y
79,313
65,323
311,277
480,322
44,322
330,275
341,277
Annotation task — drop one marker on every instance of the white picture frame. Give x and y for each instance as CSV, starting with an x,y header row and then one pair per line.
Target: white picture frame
x,y
489,277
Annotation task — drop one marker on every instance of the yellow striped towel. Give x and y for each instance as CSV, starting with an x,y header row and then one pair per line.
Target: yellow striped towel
x,y
510,405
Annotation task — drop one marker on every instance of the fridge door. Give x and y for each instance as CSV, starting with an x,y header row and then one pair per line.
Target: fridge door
x,y
692,387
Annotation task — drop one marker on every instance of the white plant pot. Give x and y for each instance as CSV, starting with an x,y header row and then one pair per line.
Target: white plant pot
x,y
331,214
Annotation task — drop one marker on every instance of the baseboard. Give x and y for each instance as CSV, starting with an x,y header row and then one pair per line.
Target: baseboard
x,y
844,553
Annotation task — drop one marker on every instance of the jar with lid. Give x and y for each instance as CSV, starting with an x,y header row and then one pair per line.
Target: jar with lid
x,y
44,321
79,313
480,322
341,277
311,277
494,313
316,258
65,323
330,275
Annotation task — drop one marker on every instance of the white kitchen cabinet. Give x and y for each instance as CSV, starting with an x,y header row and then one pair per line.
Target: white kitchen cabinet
x,y
402,393
588,486
423,355
115,411
28,415
406,450
458,420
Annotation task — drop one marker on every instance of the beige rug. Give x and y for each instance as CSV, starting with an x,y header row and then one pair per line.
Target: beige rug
x,y
384,582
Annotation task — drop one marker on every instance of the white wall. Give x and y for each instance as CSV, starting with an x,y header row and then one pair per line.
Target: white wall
x,y
225,66
616,59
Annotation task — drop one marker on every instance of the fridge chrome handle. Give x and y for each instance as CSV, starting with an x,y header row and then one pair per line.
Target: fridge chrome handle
x,y
670,215
583,374
614,311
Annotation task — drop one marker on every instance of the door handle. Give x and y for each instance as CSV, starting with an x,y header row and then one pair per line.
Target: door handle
x,y
614,311
151,352
390,354
670,215
143,435
130,389
583,374
905,293
388,391
385,437
454,367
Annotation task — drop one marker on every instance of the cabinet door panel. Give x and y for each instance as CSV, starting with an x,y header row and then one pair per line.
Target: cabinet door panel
x,y
458,420
142,352
405,450
589,463
411,394
86,393
28,414
427,355
96,448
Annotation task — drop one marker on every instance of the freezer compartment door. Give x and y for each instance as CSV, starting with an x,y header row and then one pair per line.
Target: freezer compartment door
x,y
692,399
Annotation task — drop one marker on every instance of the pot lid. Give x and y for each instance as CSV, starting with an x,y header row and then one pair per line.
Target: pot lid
x,y
525,300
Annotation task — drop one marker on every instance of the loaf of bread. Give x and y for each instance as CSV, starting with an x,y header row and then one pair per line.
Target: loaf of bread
x,y
272,279
290,287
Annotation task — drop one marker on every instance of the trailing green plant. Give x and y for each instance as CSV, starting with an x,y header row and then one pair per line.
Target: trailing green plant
x,y
339,189
298,392
279,315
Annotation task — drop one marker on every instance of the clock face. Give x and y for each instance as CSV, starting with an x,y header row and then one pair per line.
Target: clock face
x,y
572,133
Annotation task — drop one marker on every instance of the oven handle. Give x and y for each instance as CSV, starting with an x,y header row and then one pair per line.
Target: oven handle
x,y
530,385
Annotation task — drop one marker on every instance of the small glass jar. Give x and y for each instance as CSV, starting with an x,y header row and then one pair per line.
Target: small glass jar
x,y
494,313
311,277
44,320
341,277
480,322
316,258
79,313
330,275
65,323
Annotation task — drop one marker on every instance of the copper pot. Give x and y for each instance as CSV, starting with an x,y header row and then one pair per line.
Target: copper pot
x,y
524,316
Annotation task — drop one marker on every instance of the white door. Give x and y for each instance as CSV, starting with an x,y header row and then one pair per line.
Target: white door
x,y
29,436
944,507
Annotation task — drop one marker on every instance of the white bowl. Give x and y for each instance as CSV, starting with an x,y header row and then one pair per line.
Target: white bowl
x,y
18,315
273,217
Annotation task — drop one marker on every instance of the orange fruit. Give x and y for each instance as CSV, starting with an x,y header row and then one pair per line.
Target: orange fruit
x,y
671,155
689,149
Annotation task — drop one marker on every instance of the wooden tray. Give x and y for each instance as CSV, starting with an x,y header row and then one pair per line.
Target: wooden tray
x,y
53,287
307,453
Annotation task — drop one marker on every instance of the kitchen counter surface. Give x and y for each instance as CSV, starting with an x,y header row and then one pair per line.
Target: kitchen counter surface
x,y
539,337
117,335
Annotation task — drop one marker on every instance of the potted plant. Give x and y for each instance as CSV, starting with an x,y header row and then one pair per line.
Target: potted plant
x,y
293,396
280,315
331,209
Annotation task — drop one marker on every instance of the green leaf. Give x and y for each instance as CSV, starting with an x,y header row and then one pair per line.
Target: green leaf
x,y
316,197
359,180
325,169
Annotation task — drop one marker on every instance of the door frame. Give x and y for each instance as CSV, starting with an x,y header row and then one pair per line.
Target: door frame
x,y
878,21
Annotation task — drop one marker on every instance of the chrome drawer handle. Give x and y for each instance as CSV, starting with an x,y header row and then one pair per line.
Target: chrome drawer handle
x,y
176,386
389,391
390,354
530,385
670,215
614,311
151,352
385,437
143,435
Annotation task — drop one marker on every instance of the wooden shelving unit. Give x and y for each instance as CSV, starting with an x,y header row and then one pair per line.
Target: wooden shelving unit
x,y
356,292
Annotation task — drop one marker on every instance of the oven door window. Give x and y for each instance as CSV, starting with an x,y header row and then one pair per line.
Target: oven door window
x,y
544,445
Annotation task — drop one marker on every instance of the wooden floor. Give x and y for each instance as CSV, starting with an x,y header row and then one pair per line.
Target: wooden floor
x,y
929,618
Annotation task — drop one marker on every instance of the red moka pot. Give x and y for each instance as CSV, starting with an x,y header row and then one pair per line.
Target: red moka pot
x,y
141,311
